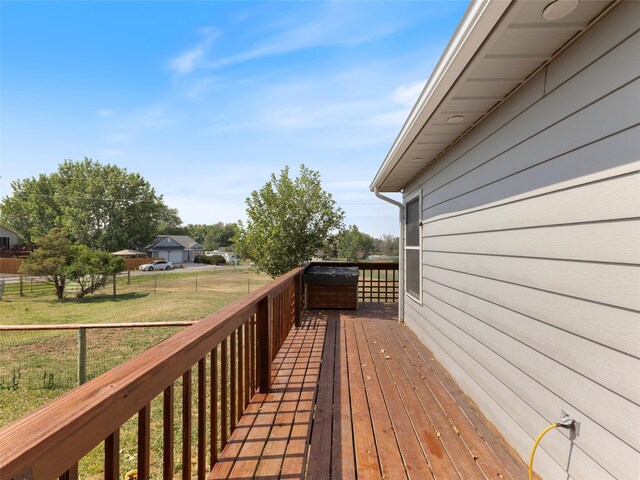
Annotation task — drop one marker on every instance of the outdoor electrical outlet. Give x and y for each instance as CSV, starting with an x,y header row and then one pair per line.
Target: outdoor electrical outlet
x,y
576,424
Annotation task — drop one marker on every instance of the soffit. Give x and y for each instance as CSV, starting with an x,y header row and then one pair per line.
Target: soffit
x,y
519,44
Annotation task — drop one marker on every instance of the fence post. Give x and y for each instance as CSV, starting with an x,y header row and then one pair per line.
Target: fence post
x,y
196,283
128,277
297,289
114,284
21,292
263,332
82,356
155,285
1,288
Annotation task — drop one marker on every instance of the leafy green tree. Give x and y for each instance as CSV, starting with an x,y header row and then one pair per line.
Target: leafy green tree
x,y
102,206
51,259
289,221
214,236
91,269
220,235
354,244
61,262
388,245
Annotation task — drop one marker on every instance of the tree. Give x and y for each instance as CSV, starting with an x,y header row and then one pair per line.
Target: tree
x,y
289,221
50,260
354,244
61,262
212,237
102,206
389,245
91,269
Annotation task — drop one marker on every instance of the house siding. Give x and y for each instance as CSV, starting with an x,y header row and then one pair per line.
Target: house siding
x,y
10,236
530,257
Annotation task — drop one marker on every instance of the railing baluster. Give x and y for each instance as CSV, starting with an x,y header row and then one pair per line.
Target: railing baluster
x,y
112,456
71,474
247,360
202,418
224,401
232,383
186,425
144,442
264,345
298,300
213,430
167,433
240,378
252,354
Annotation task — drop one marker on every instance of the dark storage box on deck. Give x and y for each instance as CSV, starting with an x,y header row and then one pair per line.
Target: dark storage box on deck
x,y
331,287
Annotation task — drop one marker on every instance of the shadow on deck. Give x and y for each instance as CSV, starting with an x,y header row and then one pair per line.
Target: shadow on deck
x,y
356,394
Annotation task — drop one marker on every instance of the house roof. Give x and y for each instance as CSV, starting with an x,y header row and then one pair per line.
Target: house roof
x,y
8,228
496,48
127,252
174,242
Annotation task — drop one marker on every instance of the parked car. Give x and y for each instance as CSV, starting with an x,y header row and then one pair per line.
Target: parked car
x,y
157,265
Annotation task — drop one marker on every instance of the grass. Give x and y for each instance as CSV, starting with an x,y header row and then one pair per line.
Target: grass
x,y
37,367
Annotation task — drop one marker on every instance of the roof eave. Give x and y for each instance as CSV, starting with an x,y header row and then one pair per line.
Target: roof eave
x,y
477,23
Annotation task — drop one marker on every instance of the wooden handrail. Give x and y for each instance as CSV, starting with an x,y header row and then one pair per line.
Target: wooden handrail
x,y
363,265
50,441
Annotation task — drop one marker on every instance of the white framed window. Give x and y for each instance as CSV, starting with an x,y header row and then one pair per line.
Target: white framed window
x,y
413,246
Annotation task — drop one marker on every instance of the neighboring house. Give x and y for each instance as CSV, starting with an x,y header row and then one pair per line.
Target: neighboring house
x,y
8,238
519,170
128,253
229,257
175,248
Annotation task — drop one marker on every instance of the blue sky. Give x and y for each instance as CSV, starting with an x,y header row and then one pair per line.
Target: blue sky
x,y
206,99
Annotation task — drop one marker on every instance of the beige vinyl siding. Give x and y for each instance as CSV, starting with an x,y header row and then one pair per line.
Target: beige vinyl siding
x,y
531,255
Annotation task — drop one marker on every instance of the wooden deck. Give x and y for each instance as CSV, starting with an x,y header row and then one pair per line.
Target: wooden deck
x,y
357,395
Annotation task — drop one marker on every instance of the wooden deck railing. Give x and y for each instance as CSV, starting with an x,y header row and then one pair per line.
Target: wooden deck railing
x,y
378,280
231,352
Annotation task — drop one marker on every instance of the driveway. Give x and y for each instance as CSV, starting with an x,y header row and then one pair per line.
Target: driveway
x,y
193,268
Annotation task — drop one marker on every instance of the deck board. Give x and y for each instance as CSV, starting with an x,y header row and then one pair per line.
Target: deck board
x,y
357,395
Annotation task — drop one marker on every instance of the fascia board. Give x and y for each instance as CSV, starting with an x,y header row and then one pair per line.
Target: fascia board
x,y
480,19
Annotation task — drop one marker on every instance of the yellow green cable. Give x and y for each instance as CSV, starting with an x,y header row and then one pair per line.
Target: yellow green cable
x,y
535,445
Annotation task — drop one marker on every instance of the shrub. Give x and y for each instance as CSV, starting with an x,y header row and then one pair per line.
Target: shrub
x,y
210,260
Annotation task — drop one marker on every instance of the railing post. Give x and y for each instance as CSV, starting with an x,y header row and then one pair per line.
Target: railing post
x,y
82,356
297,286
263,321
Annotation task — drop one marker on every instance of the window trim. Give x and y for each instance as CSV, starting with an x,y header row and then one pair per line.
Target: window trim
x,y
408,199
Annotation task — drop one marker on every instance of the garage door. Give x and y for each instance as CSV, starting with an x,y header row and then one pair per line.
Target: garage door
x,y
175,256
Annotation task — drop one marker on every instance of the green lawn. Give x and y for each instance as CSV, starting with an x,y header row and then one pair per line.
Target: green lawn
x,y
37,367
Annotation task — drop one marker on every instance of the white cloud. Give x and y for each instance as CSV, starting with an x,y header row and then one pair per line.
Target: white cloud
x,y
194,57
105,112
129,127
339,24
408,93
388,119
336,27
193,88
404,96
